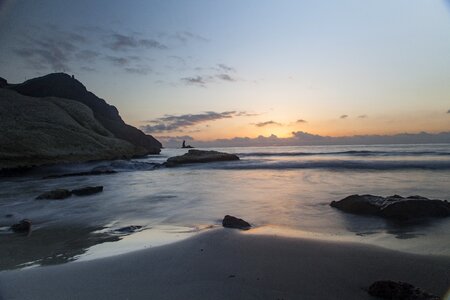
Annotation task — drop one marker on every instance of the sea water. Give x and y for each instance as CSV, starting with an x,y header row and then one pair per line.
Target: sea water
x,y
279,190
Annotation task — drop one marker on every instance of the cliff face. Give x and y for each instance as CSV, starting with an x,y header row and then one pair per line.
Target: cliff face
x,y
64,86
37,131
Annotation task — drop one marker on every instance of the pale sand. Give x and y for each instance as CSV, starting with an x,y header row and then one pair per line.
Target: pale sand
x,y
231,266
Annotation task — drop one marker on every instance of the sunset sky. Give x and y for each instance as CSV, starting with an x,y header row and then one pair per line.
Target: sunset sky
x,y
224,69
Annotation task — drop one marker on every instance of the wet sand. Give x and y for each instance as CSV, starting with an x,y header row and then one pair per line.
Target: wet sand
x,y
225,264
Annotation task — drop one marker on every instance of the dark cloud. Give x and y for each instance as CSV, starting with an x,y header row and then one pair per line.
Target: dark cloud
x,y
344,117
197,80
122,42
225,77
300,121
178,123
226,68
267,123
362,116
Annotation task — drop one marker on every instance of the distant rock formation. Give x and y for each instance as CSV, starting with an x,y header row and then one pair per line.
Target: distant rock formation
x,y
199,156
62,85
37,131
394,207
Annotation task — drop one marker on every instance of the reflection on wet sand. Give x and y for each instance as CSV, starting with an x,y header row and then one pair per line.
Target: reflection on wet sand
x,y
49,246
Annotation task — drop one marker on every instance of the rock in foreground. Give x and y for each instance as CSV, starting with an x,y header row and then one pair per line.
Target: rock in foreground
x,y
394,207
200,156
233,222
57,194
387,289
89,190
23,226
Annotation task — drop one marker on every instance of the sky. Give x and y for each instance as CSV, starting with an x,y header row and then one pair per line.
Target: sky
x,y
206,70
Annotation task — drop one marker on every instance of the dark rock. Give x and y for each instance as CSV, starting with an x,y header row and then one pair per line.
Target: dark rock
x,y
200,156
8,215
394,207
387,289
64,86
22,227
3,82
128,229
89,190
57,194
233,222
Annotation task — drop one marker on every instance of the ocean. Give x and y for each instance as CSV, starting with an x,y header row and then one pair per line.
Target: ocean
x,y
279,190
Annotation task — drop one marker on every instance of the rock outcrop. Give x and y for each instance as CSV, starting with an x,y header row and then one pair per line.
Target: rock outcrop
x,y
23,226
57,194
62,85
387,289
37,131
394,207
86,191
3,82
233,222
199,156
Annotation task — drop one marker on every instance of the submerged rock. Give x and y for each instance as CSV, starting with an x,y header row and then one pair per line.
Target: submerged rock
x,y
57,194
233,222
200,156
22,227
394,207
89,190
387,289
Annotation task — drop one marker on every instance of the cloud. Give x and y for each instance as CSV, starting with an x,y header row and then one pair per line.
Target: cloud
x,y
267,123
197,80
344,117
226,68
246,114
122,42
300,138
362,116
178,123
225,77
186,36
300,121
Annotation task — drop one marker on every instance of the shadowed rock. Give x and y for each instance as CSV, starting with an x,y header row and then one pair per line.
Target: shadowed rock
x,y
23,226
394,207
65,86
86,191
57,194
3,82
200,156
387,289
233,222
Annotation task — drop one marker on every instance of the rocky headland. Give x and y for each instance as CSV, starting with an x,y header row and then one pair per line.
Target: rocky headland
x,y
54,119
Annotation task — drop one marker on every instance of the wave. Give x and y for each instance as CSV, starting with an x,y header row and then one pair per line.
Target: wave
x,y
338,165
349,153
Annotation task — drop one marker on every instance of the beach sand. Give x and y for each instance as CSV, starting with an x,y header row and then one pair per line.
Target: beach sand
x,y
226,264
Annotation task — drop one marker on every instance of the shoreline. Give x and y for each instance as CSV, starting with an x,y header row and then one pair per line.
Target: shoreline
x,y
223,264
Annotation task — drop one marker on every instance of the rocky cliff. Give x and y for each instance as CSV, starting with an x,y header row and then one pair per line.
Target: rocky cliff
x,y
64,86
46,130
